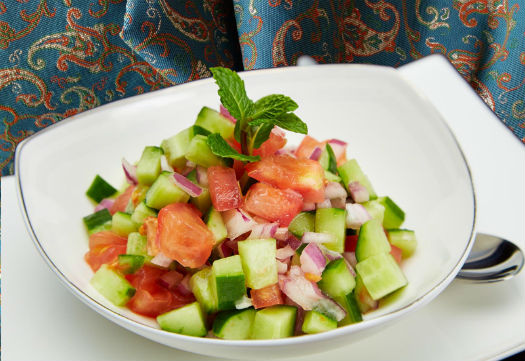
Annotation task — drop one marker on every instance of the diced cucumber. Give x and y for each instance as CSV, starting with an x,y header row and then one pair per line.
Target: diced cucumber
x,y
315,322
216,225
331,177
197,129
122,224
274,322
213,121
303,222
112,285
137,244
187,320
98,221
200,153
332,221
375,209
164,191
363,299
372,240
258,262
336,279
202,285
234,325
203,201
404,239
175,147
381,275
349,303
130,263
300,249
229,281
148,167
394,216
141,212
351,172
100,189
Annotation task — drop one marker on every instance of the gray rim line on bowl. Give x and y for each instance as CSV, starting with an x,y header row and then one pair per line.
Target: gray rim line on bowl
x,y
85,298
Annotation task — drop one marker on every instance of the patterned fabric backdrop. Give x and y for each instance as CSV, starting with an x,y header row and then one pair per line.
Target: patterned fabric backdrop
x,y
61,57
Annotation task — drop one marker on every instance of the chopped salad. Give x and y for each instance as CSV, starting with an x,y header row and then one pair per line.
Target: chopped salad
x,y
223,230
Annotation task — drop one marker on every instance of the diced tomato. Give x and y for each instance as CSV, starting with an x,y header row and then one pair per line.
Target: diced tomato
x,y
283,171
106,238
276,141
122,200
150,298
225,191
235,144
267,296
183,236
149,229
307,146
351,243
238,166
396,252
103,254
273,204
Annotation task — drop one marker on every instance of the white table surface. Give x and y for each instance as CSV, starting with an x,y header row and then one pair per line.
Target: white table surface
x,y
41,320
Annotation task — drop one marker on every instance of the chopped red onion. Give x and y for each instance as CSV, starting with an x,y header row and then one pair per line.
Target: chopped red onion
x,y
186,185
287,150
224,112
224,250
281,267
281,234
350,257
161,260
105,203
202,176
358,192
237,222
243,302
263,230
130,171
356,215
338,203
308,206
338,142
300,290
316,153
184,285
338,146
170,279
331,255
312,259
164,165
294,242
324,204
329,307
284,253
313,237
334,190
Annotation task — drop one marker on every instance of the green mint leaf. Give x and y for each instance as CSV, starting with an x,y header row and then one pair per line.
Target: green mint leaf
x,y
271,106
262,134
232,93
237,131
332,161
221,148
291,122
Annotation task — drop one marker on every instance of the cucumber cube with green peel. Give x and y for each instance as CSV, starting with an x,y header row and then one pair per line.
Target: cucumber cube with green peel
x,y
381,275
187,320
349,303
200,153
234,324
303,222
203,201
274,322
229,281
122,224
215,122
202,284
332,221
216,225
394,216
100,189
375,209
351,172
403,239
112,285
258,262
148,167
130,263
164,191
175,147
337,281
98,221
372,240
315,322
141,212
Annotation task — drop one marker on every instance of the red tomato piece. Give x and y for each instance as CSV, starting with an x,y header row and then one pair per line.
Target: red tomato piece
x,y
351,243
238,166
397,253
122,200
283,171
106,238
273,204
103,254
276,141
224,188
149,229
183,236
307,146
267,296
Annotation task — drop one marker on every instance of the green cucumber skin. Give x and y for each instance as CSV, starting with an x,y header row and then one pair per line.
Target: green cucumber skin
x,y
163,192
315,322
336,279
303,222
130,263
403,239
394,216
372,240
274,322
187,320
98,221
175,147
202,284
100,189
122,224
112,286
200,153
229,281
216,225
349,303
234,324
214,122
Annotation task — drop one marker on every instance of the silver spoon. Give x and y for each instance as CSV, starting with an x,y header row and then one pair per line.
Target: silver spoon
x,y
492,259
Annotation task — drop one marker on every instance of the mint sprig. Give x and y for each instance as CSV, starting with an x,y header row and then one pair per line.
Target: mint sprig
x,y
255,120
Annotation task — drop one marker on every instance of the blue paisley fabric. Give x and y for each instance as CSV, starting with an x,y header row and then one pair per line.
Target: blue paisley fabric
x,y
61,57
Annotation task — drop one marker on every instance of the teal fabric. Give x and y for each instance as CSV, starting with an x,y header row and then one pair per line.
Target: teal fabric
x,y
60,58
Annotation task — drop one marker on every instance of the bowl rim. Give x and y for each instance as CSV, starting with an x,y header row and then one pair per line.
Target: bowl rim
x,y
130,324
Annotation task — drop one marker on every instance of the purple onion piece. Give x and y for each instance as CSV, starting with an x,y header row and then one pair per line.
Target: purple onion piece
x,y
202,176
161,260
313,237
316,153
334,190
356,215
105,203
358,192
186,185
312,259
130,171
